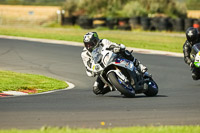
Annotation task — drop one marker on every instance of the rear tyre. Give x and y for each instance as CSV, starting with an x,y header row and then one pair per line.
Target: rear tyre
x,y
116,83
152,89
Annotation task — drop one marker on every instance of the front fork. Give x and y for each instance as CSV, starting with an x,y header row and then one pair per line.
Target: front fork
x,y
138,81
107,83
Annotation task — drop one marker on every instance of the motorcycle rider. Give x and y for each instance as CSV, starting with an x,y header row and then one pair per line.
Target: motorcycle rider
x,y
193,37
92,41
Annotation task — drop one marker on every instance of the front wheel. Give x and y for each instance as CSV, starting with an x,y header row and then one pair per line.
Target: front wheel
x,y
152,88
125,89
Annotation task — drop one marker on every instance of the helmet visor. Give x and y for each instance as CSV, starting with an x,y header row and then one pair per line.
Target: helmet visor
x,y
193,40
89,46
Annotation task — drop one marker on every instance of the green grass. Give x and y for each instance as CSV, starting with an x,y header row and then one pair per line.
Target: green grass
x,y
23,82
163,41
149,129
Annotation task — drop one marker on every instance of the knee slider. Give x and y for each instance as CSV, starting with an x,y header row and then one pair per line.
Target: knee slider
x,y
96,90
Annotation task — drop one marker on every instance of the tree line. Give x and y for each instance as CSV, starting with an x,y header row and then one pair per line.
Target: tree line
x,y
125,8
117,8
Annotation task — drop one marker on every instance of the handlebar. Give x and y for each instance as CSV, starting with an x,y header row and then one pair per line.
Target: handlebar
x,y
109,48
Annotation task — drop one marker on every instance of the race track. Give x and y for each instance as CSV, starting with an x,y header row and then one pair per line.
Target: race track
x,y
177,103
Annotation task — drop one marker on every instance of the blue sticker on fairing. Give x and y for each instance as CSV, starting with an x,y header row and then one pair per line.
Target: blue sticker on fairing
x,y
118,60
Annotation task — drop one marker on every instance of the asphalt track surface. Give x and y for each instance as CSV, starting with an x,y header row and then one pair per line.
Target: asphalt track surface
x,y
177,103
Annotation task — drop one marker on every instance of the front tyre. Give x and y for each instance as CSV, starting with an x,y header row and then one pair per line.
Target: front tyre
x,y
117,83
152,88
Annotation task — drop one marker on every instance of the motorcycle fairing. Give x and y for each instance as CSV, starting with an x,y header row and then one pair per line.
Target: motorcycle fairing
x,y
197,60
124,63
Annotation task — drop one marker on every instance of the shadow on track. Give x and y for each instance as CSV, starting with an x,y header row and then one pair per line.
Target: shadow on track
x,y
140,96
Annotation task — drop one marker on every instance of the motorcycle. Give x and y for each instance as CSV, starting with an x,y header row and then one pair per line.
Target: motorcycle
x,y
120,74
195,55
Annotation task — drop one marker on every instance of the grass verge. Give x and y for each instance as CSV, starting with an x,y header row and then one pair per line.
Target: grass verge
x,y
30,83
149,129
163,41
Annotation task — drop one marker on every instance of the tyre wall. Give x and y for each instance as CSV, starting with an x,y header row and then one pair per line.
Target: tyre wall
x,y
144,23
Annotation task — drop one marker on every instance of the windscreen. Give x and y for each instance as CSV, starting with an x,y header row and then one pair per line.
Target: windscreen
x,y
195,48
96,55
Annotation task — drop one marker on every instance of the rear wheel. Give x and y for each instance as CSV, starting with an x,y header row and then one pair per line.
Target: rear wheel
x,y
125,89
152,88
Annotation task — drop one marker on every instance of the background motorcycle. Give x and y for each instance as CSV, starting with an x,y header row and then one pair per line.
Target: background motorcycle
x,y
121,74
195,55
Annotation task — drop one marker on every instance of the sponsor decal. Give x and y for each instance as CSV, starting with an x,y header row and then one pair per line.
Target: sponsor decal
x,y
131,65
190,33
118,61
93,67
127,64
95,35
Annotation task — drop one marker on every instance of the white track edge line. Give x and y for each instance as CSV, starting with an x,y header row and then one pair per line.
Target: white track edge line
x,y
136,50
71,86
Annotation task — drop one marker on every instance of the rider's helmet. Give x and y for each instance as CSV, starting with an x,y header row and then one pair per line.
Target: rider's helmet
x,y
90,40
192,35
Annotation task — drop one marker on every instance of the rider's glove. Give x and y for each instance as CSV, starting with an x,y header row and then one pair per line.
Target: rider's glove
x,y
122,47
191,64
116,49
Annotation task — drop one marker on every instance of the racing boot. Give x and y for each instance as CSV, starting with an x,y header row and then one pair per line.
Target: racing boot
x,y
142,68
100,89
105,90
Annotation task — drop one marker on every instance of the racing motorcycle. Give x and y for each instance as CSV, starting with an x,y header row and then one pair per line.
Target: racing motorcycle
x,y
120,74
195,55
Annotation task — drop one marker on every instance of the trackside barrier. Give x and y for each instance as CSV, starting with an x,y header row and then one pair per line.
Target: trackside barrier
x,y
145,23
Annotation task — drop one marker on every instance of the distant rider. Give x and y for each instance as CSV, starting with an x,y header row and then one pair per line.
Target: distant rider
x,y
193,37
92,41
